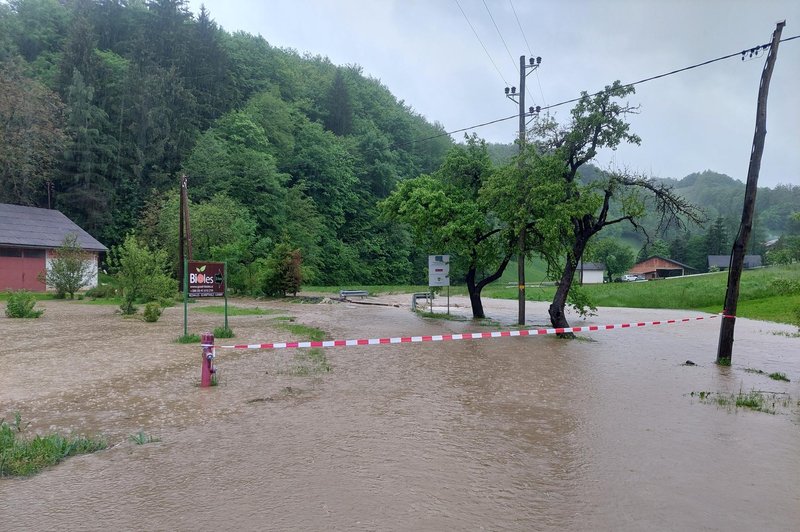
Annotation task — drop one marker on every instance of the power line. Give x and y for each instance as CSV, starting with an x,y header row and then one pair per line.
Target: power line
x,y
741,53
499,33
481,42
520,27
476,126
504,43
684,69
530,51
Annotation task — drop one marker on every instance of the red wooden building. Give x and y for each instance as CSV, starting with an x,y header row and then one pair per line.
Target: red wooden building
x,y
28,238
656,267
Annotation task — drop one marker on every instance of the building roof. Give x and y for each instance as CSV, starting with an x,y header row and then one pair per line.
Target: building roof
x,y
723,261
588,266
673,261
40,228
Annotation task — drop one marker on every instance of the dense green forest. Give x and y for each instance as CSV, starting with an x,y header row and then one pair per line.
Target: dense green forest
x,y
104,104
776,229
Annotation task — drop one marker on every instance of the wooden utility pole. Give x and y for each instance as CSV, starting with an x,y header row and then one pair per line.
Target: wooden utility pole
x,y
512,95
522,232
184,236
725,346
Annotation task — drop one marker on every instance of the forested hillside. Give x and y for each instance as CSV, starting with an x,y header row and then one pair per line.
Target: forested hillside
x,y
721,198
104,104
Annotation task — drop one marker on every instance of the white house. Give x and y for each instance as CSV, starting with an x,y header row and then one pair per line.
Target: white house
x,y
591,272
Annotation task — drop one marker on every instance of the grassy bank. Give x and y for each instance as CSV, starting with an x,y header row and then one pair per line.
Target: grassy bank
x,y
236,311
771,294
26,456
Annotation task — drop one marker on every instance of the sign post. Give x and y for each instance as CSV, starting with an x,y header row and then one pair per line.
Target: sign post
x,y
203,279
225,283
185,297
439,275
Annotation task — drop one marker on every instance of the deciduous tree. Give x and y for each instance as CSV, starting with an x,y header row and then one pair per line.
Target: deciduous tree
x,y
70,269
657,247
446,213
141,273
598,122
617,257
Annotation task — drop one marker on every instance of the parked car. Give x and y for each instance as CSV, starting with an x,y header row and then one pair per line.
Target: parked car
x,y
629,277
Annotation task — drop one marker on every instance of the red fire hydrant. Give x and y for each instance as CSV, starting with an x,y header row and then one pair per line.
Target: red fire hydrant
x,y
209,370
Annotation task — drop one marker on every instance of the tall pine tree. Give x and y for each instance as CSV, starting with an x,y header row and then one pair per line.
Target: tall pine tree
x,y
85,190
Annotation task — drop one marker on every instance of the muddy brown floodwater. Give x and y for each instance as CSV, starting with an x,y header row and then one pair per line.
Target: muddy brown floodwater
x,y
601,433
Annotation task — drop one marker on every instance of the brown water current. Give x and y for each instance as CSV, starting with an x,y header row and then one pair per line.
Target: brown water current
x,y
538,433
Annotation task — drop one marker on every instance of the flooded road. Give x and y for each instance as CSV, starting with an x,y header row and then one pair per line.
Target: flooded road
x,y
601,433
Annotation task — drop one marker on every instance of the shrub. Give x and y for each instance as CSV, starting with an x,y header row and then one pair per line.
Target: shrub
x,y
101,291
141,438
152,311
141,274
283,271
20,305
223,332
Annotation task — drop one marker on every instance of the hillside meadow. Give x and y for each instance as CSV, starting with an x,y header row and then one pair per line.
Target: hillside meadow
x,y
769,294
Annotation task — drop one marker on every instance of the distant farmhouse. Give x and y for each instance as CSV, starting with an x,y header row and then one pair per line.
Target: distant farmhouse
x,y
723,262
656,267
591,272
29,238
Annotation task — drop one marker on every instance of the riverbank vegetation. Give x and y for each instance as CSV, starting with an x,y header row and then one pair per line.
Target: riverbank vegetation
x,y
23,456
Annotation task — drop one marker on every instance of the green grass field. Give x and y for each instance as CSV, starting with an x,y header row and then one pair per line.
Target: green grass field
x,y
236,311
771,294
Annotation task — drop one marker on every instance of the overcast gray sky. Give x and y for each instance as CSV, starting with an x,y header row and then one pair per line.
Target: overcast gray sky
x,y
427,54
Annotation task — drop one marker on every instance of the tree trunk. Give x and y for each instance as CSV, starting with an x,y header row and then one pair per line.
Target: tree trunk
x,y
557,316
474,295
475,289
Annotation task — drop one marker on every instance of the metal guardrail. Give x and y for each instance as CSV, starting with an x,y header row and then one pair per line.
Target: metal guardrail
x,y
347,293
420,295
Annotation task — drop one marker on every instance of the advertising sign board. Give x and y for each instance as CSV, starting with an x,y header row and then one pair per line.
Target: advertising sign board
x,y
206,279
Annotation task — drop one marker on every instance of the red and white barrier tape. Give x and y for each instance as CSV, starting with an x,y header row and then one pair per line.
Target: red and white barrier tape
x,y
462,336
